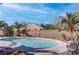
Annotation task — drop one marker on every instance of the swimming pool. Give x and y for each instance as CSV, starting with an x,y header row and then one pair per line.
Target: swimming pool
x,y
33,42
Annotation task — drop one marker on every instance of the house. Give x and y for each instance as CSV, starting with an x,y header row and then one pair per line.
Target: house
x,y
1,31
28,27
33,26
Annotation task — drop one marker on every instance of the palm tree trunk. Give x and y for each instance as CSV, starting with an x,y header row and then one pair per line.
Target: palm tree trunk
x,y
18,32
71,33
71,29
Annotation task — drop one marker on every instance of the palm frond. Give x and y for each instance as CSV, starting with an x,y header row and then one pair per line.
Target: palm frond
x,y
63,20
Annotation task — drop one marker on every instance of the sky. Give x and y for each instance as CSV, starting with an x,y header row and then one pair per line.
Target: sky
x,y
35,12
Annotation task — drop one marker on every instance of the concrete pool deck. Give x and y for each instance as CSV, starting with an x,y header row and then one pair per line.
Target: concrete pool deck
x,y
61,47
8,44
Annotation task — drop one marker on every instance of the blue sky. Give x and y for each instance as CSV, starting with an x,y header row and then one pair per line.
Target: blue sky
x,y
38,13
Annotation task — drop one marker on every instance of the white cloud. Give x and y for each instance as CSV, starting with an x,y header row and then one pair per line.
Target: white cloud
x,y
13,6
43,10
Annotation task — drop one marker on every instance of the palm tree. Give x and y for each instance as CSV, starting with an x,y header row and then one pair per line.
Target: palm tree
x,y
70,21
18,25
8,31
2,24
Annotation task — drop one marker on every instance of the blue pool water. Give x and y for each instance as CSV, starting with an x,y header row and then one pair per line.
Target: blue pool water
x,y
34,43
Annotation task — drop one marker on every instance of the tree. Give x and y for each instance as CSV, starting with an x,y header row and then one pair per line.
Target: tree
x,y
43,25
2,24
70,21
18,25
8,31
49,26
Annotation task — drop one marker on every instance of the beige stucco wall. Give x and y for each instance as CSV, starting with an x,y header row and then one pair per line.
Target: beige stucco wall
x,y
46,34
54,34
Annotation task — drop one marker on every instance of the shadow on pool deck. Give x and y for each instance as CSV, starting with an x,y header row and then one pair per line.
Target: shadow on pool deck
x,y
30,49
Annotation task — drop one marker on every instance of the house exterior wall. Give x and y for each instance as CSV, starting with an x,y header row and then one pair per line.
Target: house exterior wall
x,y
1,32
32,26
